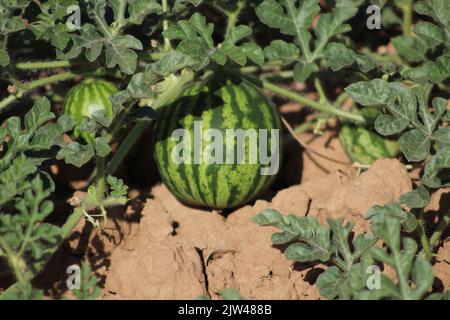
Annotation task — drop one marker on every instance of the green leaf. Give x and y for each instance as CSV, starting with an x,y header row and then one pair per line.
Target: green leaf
x,y
101,146
118,189
253,52
303,70
339,56
316,243
196,46
439,162
89,289
329,282
292,18
437,9
414,274
391,211
412,49
281,50
139,9
169,63
430,33
288,16
332,23
372,93
418,198
4,58
59,37
433,71
89,40
415,145
315,239
76,154
442,137
119,51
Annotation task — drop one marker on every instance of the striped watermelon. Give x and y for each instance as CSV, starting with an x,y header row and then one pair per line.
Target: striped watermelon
x,y
87,97
226,104
365,146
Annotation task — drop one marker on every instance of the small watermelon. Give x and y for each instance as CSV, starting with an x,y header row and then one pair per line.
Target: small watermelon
x,y
210,173
365,146
87,97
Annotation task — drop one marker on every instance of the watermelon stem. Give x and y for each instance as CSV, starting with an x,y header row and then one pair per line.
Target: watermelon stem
x,y
126,145
35,84
322,96
423,237
441,227
165,23
44,64
100,164
233,17
324,107
407,8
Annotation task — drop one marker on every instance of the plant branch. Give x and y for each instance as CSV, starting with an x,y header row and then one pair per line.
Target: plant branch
x,y
323,107
44,64
233,17
442,225
320,90
35,84
121,13
13,260
167,45
103,26
407,9
423,238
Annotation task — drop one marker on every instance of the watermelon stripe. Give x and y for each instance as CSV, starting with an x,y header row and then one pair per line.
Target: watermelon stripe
x,y
242,97
105,93
215,185
168,161
160,150
82,99
177,171
188,170
259,181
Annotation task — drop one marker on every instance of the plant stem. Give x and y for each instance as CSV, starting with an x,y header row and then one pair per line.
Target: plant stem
x,y
35,84
320,90
13,259
233,17
66,230
121,13
44,64
407,8
167,45
103,26
101,185
125,146
71,223
423,237
442,225
323,107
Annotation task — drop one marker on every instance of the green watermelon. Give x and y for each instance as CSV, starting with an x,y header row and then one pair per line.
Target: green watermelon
x,y
87,97
365,146
210,173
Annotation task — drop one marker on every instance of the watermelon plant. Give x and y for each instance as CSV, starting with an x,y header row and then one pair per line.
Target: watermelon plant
x,y
81,81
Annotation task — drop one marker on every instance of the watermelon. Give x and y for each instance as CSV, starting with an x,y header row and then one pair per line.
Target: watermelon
x,y
86,98
208,171
364,146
